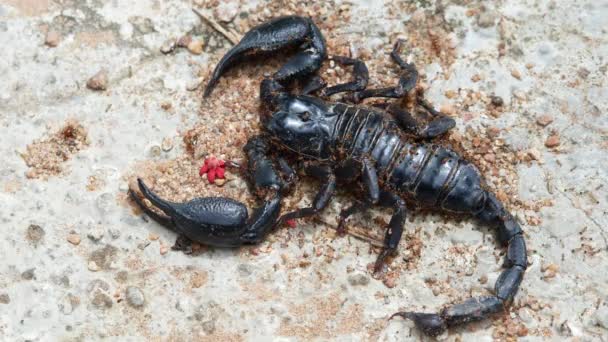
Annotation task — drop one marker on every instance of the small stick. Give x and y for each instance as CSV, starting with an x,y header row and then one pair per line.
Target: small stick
x,y
357,233
219,28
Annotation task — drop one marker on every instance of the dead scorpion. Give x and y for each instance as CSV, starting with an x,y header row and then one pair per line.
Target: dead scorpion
x,y
382,150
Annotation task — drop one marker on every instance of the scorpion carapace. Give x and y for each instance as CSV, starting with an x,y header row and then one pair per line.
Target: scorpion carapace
x,y
384,150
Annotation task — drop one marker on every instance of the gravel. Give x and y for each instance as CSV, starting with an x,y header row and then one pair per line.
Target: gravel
x,y
135,297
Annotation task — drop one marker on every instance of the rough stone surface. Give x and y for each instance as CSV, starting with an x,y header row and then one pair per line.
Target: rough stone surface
x,y
497,65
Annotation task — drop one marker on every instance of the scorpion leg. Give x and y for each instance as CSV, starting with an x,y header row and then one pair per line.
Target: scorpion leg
x,y
407,80
370,179
275,35
313,84
326,192
360,73
440,125
346,213
490,211
395,227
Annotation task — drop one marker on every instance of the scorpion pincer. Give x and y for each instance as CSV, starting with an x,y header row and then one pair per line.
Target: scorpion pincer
x,y
385,152
224,222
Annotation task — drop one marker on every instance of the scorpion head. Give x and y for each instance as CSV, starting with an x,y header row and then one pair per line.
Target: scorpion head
x,y
302,124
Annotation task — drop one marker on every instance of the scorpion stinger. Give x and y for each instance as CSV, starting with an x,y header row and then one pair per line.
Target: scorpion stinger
x,y
275,35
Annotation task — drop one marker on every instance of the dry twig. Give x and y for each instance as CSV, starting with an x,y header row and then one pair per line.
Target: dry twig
x,y
231,36
356,232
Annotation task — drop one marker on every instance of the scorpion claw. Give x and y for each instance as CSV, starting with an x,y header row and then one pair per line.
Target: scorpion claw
x,y
430,324
275,35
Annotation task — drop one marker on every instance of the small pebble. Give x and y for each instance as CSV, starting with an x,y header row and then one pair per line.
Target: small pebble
x,y
99,81
194,84
552,141
74,239
142,245
164,250
28,274
168,46
227,10
135,297
219,181
447,109
154,151
489,157
497,101
153,236
104,203
520,95
102,301
515,73
184,41
4,298
534,154
550,270
486,19
52,38
196,47
544,120
450,94
114,233
358,279
35,233
167,144
93,267
166,106
96,234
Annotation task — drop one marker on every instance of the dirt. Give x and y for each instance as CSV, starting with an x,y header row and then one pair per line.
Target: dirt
x,y
47,156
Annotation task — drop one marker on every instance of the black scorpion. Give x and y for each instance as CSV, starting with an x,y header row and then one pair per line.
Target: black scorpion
x,y
384,150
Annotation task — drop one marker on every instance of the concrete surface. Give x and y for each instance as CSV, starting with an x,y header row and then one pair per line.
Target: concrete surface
x,y
79,264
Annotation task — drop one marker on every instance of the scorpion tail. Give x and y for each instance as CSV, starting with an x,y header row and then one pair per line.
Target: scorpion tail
x,y
509,233
276,35
166,206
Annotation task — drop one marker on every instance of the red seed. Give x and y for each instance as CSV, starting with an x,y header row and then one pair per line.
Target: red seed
x,y
203,170
211,176
212,162
291,223
220,172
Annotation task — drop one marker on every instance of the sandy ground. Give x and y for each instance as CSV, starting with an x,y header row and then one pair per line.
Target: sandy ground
x,y
88,102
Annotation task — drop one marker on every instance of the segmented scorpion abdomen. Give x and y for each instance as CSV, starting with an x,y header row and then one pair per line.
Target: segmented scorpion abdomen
x,y
429,174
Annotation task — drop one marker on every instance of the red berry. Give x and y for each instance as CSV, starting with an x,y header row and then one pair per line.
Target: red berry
x,y
211,175
291,223
203,170
212,162
220,172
